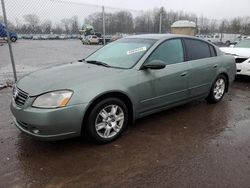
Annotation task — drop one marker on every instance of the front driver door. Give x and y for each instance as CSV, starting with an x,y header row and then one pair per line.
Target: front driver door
x,y
160,88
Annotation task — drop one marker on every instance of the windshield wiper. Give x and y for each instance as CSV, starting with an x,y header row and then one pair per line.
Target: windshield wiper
x,y
98,63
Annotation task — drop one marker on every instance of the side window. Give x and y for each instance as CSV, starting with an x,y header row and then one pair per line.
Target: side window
x,y
196,49
212,51
170,52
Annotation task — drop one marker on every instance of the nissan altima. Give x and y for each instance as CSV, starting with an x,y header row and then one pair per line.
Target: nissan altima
x,y
125,80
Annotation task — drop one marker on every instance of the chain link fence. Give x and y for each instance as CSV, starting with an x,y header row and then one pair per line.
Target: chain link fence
x,y
51,32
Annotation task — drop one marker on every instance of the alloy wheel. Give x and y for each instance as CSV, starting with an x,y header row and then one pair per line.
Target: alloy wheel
x,y
219,88
109,122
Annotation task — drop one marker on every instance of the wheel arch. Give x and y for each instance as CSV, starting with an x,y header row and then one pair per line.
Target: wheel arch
x,y
227,77
111,94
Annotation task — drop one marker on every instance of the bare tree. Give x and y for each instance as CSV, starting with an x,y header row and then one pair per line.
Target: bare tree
x,y
46,26
74,25
235,25
33,21
66,24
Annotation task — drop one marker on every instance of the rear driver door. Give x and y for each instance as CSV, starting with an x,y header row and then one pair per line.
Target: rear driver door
x,y
203,66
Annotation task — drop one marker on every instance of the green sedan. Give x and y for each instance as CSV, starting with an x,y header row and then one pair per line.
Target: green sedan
x,y
119,83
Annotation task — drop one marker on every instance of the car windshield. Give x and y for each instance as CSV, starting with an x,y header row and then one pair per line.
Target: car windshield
x,y
243,44
123,53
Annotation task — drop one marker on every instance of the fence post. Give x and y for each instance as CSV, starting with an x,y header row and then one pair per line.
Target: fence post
x,y
9,42
160,23
103,25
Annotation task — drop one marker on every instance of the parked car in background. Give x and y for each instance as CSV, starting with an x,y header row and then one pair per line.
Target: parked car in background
x,y
108,39
3,33
53,37
90,39
118,36
224,38
74,36
241,52
123,81
63,37
210,38
27,36
36,37
45,37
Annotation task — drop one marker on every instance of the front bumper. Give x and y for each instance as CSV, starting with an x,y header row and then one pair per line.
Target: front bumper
x,y
243,68
49,124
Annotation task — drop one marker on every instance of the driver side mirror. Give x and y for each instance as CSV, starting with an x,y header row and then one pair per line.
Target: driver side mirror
x,y
155,65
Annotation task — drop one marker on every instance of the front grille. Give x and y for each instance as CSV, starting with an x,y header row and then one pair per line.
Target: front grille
x,y
20,96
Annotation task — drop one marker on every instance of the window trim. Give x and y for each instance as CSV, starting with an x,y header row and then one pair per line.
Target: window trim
x,y
215,52
183,49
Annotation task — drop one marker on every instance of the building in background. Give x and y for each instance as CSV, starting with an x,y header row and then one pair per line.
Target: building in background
x,y
183,27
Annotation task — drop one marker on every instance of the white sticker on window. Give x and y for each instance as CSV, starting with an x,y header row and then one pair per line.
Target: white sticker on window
x,y
137,50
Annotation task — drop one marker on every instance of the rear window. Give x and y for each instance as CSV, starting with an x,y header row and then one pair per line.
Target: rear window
x,y
197,49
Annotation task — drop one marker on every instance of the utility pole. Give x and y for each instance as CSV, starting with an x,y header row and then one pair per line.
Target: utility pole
x,y
196,26
103,25
160,23
9,42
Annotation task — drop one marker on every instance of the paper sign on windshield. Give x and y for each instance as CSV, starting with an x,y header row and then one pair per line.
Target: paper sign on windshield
x,y
142,49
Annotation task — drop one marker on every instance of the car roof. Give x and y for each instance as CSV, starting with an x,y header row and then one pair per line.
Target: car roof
x,y
157,36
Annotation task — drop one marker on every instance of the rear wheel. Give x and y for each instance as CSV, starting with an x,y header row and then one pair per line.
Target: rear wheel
x,y
218,89
107,120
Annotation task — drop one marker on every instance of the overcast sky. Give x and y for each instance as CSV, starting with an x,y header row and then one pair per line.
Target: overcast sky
x,y
56,10
211,8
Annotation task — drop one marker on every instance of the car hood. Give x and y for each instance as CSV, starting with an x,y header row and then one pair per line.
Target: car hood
x,y
243,52
66,76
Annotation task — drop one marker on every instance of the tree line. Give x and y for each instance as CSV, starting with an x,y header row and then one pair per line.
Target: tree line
x,y
33,25
126,22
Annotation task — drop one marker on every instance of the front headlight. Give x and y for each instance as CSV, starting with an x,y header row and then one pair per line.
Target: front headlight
x,y
55,99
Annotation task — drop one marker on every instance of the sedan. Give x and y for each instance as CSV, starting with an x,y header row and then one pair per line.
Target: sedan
x,y
241,52
91,39
125,80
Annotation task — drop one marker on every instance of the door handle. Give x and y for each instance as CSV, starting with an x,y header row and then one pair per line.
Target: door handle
x,y
216,65
184,74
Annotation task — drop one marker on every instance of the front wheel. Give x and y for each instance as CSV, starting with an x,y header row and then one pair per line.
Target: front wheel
x,y
107,120
13,39
218,90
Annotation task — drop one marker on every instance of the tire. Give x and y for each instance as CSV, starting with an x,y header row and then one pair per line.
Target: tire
x,y
218,90
111,128
228,43
13,39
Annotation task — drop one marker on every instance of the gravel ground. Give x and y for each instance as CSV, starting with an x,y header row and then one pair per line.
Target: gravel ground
x,y
194,145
